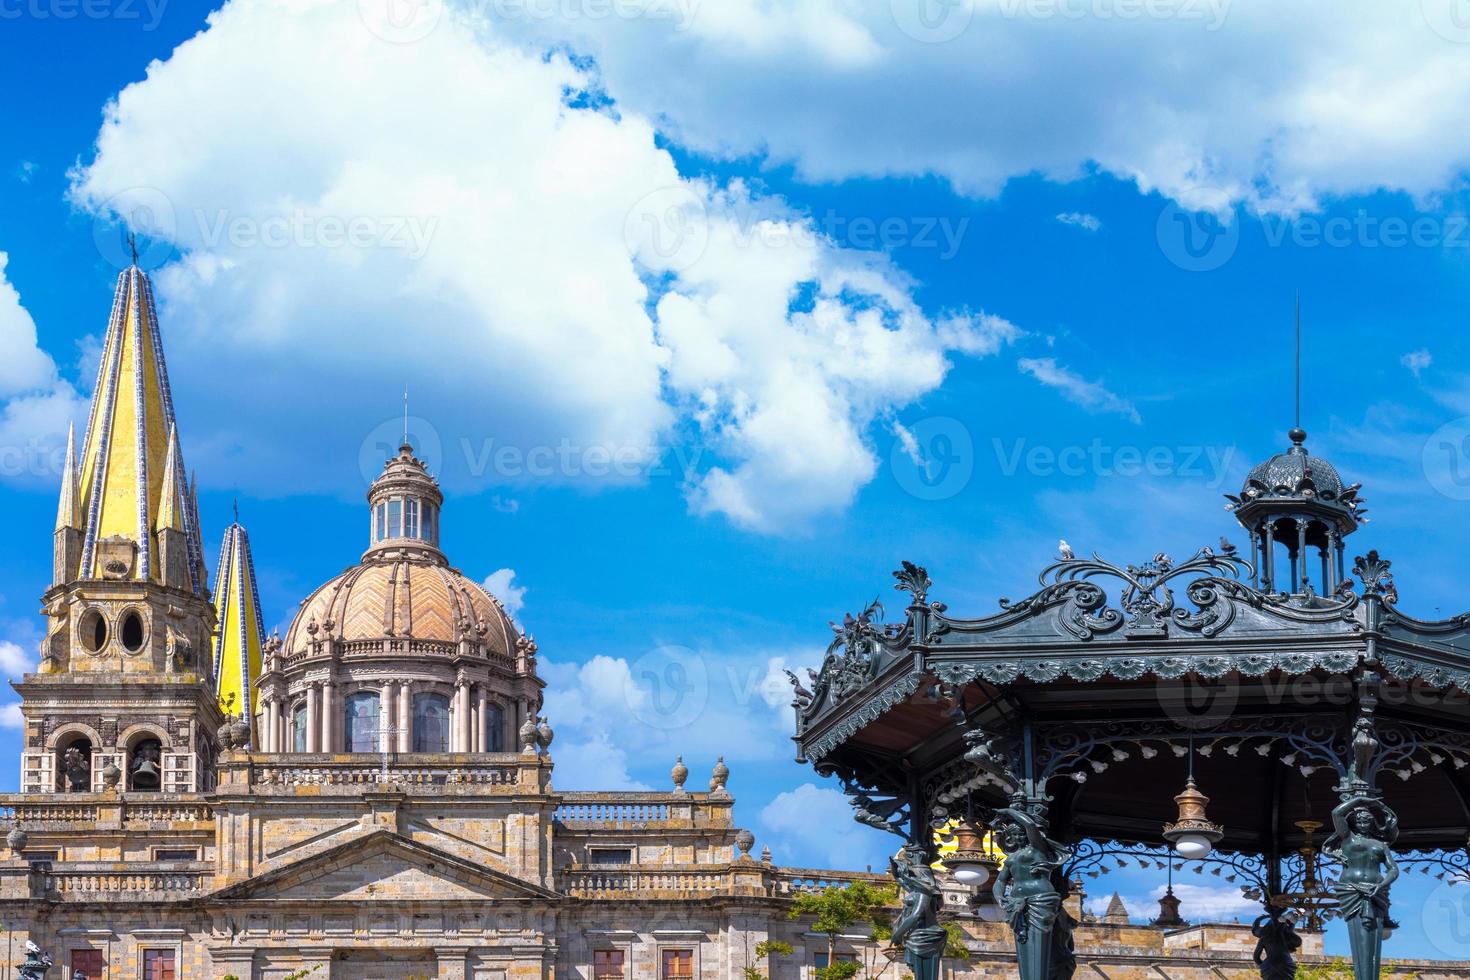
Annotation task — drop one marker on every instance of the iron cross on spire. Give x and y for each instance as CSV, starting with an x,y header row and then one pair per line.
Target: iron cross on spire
x,y
133,246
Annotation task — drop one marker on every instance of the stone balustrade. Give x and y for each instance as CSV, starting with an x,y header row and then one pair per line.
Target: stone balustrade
x,y
740,878
87,882
653,882
642,811
321,774
106,810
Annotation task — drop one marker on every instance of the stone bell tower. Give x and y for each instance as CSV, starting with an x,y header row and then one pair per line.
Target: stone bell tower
x,y
124,697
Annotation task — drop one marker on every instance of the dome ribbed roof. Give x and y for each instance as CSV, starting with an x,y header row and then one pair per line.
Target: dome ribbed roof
x,y
408,597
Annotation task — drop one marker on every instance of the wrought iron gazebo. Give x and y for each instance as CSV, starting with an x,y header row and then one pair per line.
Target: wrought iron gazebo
x,y
1084,725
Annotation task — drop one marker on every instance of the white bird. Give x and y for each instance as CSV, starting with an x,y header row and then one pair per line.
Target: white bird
x,y
1065,549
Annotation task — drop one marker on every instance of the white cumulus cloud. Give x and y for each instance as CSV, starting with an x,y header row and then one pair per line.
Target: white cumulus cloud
x,y
36,403
465,214
1274,105
502,585
817,821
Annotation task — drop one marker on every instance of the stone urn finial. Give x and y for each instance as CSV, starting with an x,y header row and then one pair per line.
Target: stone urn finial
x,y
17,839
766,854
680,772
111,775
719,777
744,840
528,737
544,735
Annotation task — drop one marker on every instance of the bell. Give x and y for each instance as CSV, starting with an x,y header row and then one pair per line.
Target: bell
x,y
147,769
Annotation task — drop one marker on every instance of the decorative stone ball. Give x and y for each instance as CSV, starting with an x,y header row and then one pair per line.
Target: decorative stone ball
x,y
17,839
680,772
744,840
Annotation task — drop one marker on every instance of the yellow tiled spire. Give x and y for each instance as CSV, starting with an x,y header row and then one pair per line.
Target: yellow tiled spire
x,y
237,647
129,454
68,509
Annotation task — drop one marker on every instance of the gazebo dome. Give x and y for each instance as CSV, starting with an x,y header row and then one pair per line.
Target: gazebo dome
x,y
1295,474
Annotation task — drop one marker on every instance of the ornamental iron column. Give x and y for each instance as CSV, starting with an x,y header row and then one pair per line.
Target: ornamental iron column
x,y
1030,885
1364,831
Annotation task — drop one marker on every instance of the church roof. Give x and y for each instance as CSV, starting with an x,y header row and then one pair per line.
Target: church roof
x,y
237,649
131,479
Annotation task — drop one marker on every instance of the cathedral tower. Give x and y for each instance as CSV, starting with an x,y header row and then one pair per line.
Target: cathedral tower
x,y
124,697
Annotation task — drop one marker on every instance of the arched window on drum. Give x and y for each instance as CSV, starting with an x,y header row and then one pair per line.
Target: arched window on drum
x,y
360,723
494,728
430,723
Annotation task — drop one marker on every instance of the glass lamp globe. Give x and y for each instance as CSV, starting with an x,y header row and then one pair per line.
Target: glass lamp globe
x,y
1193,846
970,873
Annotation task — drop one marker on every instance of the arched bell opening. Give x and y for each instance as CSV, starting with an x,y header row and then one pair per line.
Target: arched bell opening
x,y
74,765
145,765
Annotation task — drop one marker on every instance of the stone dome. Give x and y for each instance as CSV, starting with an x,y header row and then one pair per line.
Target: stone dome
x,y
403,597
407,602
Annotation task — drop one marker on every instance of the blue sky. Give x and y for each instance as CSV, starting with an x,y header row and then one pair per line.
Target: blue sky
x,y
712,313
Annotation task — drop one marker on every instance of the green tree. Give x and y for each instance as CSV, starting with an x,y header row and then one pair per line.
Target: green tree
x,y
836,910
765,949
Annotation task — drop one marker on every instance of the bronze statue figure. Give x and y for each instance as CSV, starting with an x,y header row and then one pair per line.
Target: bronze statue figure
x,y
1027,891
918,930
1276,944
1364,832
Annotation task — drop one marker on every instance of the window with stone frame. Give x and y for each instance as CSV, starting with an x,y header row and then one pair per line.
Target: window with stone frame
x,y
298,727
88,964
610,855
176,854
607,964
158,964
678,964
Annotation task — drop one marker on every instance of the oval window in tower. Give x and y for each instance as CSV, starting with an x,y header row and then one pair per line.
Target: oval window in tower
x,y
132,631
92,630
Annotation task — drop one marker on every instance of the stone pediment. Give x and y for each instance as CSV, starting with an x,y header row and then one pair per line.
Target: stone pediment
x,y
384,866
